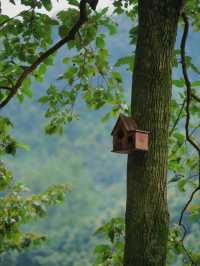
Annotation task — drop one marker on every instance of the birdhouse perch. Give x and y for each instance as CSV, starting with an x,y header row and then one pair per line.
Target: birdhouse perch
x,y
127,138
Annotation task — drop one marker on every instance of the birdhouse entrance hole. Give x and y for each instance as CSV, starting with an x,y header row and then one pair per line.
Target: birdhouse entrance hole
x,y
130,140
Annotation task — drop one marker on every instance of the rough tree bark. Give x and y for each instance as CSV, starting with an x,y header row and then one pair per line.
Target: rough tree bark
x,y
147,216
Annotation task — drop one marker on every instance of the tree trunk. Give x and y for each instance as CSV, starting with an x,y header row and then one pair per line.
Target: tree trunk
x,y
147,218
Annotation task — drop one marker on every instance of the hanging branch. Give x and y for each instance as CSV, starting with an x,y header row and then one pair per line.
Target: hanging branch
x,y
189,94
189,97
70,36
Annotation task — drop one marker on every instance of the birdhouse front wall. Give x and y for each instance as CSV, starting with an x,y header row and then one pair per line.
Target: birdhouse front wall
x,y
141,141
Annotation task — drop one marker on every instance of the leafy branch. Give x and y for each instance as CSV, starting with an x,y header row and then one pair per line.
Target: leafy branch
x,y
12,18
69,37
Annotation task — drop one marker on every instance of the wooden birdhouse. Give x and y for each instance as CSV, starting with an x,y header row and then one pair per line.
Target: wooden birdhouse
x,y
127,138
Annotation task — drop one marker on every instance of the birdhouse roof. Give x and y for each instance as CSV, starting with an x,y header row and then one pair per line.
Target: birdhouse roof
x,y
128,123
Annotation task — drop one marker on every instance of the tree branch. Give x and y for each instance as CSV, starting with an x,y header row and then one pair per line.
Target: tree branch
x,y
189,96
187,83
70,36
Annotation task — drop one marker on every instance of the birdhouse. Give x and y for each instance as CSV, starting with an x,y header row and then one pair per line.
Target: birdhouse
x,y
127,138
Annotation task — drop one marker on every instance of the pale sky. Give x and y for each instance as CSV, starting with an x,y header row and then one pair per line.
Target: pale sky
x,y
12,10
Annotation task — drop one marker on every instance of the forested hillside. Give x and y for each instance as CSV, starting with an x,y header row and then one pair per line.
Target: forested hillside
x,y
80,157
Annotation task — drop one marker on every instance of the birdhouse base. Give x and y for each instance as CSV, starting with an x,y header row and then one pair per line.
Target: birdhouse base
x,y
122,152
128,151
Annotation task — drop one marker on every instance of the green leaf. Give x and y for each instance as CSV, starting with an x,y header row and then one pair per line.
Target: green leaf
x,y
100,42
26,87
42,69
106,117
117,76
181,184
23,146
65,60
178,83
49,61
3,18
47,4
43,99
127,60
71,71
103,249
112,28
196,83
180,137
73,2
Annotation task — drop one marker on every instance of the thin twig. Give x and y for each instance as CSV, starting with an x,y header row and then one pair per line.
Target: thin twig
x,y
194,96
178,118
70,36
194,129
187,204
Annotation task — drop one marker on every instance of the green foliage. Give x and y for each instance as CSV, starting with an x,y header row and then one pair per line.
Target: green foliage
x,y
76,157
17,209
111,253
88,75
177,253
17,206
23,39
8,144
